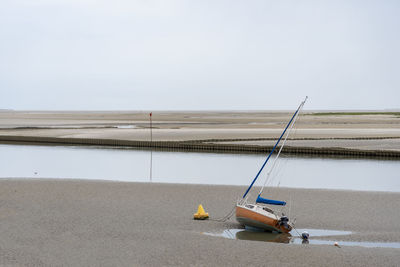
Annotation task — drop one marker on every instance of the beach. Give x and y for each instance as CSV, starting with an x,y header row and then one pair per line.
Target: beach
x,y
52,222
365,134
121,121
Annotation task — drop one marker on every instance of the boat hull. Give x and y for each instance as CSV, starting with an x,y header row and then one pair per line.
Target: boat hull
x,y
257,219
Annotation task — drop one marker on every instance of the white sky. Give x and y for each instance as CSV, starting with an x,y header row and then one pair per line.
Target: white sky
x,y
199,55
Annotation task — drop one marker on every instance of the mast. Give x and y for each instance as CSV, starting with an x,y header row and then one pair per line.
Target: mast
x,y
279,152
273,149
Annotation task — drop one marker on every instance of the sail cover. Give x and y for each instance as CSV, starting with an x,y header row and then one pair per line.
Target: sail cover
x,y
270,201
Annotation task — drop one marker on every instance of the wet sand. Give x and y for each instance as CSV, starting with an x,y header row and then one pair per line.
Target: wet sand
x,y
359,132
86,223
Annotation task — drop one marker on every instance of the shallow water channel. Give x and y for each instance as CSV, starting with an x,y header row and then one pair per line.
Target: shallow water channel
x,y
293,237
122,164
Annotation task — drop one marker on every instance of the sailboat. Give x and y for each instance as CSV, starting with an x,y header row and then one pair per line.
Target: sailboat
x,y
261,214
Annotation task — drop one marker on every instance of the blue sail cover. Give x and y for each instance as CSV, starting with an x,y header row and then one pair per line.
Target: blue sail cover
x,y
270,201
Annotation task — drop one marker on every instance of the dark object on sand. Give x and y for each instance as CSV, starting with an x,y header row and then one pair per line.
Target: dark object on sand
x,y
305,235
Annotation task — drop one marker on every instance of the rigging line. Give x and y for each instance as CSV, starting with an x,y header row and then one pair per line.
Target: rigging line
x,y
273,149
293,129
296,134
277,175
283,144
276,166
296,231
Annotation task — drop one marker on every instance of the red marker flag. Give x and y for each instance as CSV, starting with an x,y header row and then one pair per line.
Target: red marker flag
x,y
151,113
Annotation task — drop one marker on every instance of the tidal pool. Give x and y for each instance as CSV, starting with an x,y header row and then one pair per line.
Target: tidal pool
x,y
294,238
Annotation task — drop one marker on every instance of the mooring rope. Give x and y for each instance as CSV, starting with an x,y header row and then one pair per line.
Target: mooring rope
x,y
226,217
297,231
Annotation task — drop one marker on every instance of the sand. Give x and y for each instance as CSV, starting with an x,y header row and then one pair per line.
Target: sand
x,y
98,223
361,132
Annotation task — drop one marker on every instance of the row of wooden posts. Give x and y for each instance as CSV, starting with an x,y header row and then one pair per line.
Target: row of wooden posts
x,y
197,145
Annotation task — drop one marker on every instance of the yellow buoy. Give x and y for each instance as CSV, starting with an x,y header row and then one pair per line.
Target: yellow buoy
x,y
201,214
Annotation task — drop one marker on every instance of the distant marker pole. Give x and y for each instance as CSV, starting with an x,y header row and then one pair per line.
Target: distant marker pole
x,y
151,127
151,147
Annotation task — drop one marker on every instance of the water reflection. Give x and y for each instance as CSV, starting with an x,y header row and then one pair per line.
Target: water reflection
x,y
262,236
124,164
293,237
151,166
254,234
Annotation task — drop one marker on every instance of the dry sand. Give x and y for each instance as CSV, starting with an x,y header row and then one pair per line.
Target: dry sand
x,y
378,132
98,223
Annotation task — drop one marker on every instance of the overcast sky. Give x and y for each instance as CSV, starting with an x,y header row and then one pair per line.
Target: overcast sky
x,y
199,55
